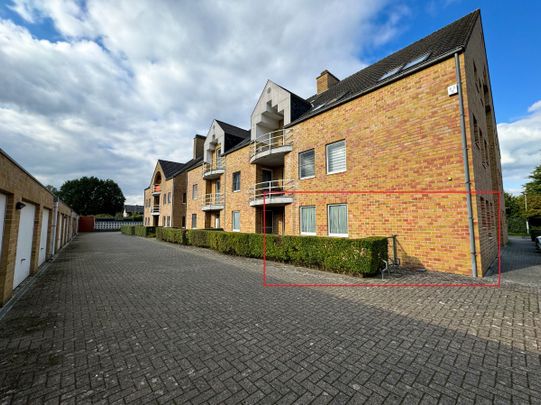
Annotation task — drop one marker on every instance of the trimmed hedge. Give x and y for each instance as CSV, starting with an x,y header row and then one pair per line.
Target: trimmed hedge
x,y
355,256
534,233
138,230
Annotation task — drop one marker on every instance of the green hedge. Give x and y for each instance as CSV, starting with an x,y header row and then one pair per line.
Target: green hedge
x,y
127,229
138,230
356,256
534,233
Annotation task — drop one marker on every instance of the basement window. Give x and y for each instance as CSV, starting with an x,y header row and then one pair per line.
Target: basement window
x,y
416,61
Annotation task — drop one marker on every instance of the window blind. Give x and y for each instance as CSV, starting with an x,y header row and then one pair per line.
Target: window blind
x,y
307,164
336,157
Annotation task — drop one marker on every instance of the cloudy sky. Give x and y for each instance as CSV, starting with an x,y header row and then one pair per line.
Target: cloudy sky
x,y
105,88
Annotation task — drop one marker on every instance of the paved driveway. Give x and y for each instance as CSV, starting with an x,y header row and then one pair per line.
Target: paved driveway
x,y
124,319
521,262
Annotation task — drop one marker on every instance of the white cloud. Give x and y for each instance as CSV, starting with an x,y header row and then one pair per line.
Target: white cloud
x,y
520,143
131,82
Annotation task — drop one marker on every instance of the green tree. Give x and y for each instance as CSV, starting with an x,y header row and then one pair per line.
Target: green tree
x,y
52,189
91,196
534,186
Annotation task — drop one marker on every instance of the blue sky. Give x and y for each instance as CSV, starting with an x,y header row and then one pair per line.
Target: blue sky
x,y
113,86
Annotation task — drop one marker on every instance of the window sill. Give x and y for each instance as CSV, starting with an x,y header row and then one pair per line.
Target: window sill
x,y
307,178
308,234
341,171
236,230
236,191
338,235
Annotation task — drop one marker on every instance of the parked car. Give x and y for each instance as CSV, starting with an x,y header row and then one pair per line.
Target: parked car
x,y
538,243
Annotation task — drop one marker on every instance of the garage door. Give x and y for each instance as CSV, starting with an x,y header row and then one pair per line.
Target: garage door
x,y
3,200
43,236
24,244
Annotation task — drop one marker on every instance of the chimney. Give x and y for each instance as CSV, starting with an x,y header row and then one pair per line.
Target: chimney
x,y
198,146
325,81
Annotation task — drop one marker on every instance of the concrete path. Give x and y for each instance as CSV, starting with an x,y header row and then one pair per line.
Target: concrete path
x,y
119,319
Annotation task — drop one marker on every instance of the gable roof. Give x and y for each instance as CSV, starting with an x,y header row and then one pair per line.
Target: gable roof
x,y
438,45
170,168
233,130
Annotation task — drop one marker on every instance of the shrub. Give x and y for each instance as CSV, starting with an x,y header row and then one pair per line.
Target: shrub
x,y
173,235
356,256
145,231
534,233
127,229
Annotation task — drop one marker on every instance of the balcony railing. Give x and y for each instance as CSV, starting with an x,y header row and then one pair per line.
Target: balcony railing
x,y
213,202
213,170
156,189
270,147
274,192
155,210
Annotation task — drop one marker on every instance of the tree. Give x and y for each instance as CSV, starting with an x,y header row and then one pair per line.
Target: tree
x,y
91,196
534,186
52,189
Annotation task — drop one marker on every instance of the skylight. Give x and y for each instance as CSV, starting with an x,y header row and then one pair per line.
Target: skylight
x,y
416,61
390,73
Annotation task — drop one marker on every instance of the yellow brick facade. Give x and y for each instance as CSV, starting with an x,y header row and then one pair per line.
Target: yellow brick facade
x,y
403,138
18,186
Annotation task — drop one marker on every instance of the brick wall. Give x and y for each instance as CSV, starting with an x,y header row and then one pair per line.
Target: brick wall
x,y
20,186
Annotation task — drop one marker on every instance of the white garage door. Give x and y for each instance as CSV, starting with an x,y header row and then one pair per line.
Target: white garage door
x,y
2,218
43,236
24,244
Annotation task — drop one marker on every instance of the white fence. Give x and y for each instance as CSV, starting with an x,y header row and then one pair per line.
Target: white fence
x,y
108,225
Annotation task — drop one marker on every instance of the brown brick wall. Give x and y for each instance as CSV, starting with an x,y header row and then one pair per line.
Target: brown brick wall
x,y
19,186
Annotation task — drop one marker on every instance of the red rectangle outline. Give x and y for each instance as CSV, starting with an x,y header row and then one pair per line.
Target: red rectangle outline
x,y
266,193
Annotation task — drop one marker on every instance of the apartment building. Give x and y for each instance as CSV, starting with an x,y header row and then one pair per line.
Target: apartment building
x,y
407,146
34,225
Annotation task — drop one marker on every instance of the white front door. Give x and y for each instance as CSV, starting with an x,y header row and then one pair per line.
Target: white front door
x,y
3,201
43,236
24,244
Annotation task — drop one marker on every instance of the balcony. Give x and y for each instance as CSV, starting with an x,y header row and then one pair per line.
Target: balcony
x,y
155,210
269,149
213,170
156,189
213,202
275,193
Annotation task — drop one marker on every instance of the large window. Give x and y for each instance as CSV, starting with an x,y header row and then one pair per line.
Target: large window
x,y
306,164
194,220
337,218
308,220
336,157
236,181
236,221
194,192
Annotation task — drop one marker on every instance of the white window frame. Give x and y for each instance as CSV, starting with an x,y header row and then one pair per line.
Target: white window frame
x,y
233,221
338,235
300,154
195,191
300,220
233,181
194,223
327,157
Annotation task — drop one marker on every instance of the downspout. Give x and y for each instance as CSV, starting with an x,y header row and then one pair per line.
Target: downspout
x,y
466,168
53,228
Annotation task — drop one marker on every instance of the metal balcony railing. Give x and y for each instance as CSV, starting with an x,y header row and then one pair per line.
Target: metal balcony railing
x,y
213,200
155,209
275,191
271,142
212,169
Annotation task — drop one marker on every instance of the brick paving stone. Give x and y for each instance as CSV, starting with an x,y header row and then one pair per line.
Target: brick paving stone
x,y
119,319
